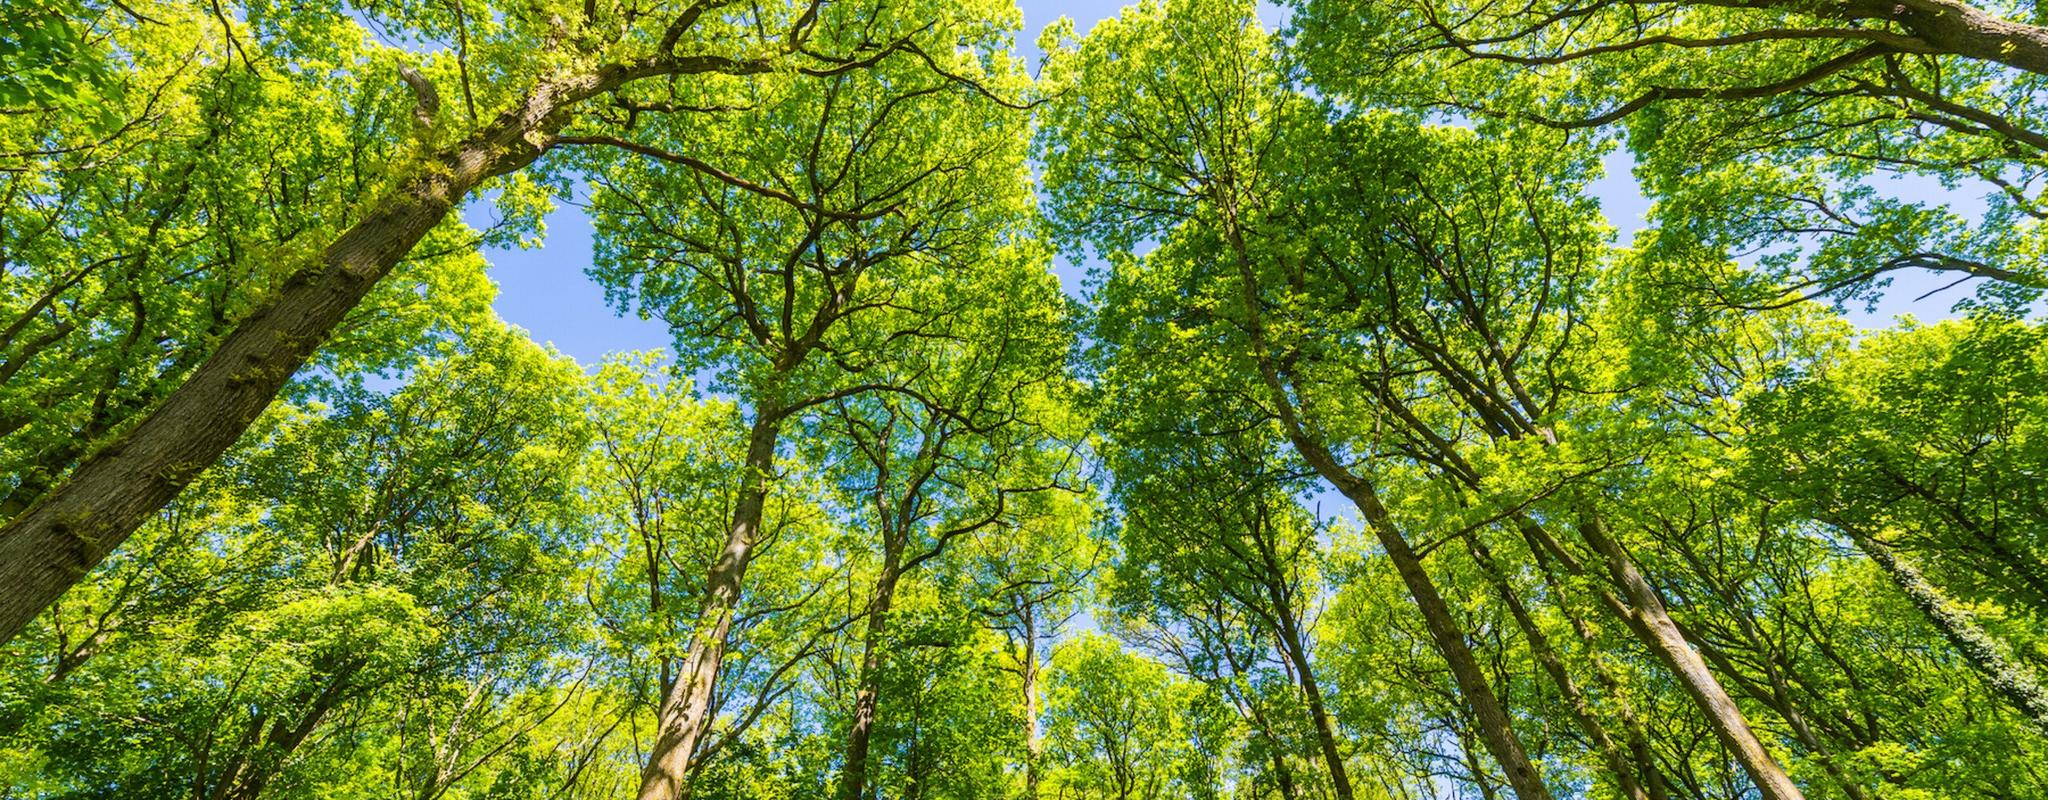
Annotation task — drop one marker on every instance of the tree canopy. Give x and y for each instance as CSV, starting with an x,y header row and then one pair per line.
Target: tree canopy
x,y
1369,461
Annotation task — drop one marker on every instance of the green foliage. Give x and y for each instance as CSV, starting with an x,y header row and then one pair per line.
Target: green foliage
x,y
1365,435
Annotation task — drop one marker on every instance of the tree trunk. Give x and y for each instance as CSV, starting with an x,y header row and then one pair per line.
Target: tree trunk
x,y
1489,715
853,774
1618,765
1444,630
2007,678
53,544
1495,729
1291,640
1034,745
1643,611
687,707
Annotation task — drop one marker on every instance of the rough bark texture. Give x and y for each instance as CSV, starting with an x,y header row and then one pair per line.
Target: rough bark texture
x,y
1960,28
53,544
2010,679
1644,612
687,708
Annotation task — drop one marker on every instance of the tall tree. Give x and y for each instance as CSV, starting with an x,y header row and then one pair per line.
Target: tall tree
x,y
847,209
971,438
1922,448
1211,516
378,209
1158,139
377,580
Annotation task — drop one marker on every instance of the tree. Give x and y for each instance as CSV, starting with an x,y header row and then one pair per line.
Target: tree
x,y
805,265
379,574
1031,584
514,106
1117,178
961,439
1921,447
1762,130
1122,727
1212,524
1365,465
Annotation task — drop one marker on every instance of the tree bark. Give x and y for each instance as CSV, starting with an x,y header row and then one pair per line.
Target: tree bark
x,y
1642,609
2007,678
54,543
1962,29
687,707
853,774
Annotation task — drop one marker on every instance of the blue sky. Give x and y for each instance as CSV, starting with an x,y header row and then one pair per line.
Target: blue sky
x,y
546,291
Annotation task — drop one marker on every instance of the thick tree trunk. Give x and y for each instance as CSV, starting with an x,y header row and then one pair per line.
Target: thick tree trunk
x,y
686,709
1950,26
112,492
2009,679
1642,609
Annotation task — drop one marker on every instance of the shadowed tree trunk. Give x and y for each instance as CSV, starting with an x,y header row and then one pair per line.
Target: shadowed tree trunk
x,y
687,708
74,526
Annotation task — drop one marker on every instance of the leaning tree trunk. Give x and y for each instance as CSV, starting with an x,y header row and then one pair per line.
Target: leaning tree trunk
x,y
1619,768
1490,716
1642,610
54,543
687,707
1294,642
2009,679
1444,630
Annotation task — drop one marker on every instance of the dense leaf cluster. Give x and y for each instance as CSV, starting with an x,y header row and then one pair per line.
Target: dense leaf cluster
x,y
1369,462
